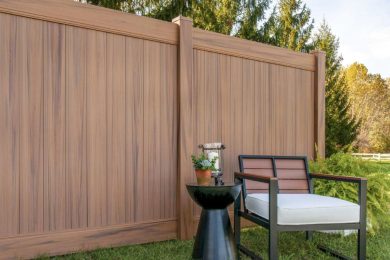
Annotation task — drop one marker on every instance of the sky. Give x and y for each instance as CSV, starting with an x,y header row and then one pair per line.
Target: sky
x,y
363,28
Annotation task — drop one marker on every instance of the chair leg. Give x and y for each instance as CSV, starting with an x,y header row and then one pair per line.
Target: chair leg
x,y
361,247
309,235
237,224
237,229
273,244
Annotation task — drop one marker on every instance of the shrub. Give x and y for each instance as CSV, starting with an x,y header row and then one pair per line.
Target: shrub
x,y
378,186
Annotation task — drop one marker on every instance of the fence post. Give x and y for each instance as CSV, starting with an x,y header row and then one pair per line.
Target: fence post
x,y
319,102
185,142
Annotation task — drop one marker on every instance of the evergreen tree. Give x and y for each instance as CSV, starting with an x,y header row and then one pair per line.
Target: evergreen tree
x,y
341,128
290,26
252,13
218,16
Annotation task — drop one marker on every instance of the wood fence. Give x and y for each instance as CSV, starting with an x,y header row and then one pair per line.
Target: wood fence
x,y
101,110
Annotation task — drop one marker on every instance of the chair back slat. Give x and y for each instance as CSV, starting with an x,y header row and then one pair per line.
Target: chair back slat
x,y
257,166
291,171
291,163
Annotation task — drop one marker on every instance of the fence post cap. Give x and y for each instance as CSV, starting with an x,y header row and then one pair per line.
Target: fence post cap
x,y
181,18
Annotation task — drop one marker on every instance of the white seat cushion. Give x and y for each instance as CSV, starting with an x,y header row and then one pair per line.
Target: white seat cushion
x,y
303,209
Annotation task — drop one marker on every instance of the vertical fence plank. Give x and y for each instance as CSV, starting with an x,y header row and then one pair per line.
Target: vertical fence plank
x,y
168,126
173,131
55,184
236,111
248,124
262,109
185,62
308,82
116,119
152,141
225,86
30,48
76,127
290,111
211,98
319,102
96,129
301,128
135,174
9,126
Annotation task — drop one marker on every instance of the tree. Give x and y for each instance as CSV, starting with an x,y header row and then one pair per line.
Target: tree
x,y
370,102
218,16
341,127
290,26
252,13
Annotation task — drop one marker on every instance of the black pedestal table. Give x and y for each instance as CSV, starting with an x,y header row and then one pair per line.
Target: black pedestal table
x,y
214,238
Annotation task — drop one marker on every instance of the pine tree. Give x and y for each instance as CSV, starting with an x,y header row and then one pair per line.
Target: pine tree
x,y
289,26
341,128
218,16
252,13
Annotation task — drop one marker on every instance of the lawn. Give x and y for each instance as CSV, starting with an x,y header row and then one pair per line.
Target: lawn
x,y
292,246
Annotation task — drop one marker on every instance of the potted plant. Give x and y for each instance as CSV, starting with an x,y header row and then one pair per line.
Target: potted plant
x,y
203,168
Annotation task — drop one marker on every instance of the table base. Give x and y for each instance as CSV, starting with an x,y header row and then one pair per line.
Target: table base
x,y
214,238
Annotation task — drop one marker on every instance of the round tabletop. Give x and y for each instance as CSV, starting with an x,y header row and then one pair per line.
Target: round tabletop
x,y
214,196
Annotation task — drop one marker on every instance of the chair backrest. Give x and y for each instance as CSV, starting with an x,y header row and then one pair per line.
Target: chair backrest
x,y
292,172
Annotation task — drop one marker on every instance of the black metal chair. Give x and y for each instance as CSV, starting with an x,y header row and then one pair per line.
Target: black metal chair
x,y
277,193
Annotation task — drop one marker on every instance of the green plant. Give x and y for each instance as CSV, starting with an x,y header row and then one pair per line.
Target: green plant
x,y
378,186
201,162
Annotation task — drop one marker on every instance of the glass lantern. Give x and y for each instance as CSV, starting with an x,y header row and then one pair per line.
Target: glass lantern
x,y
213,150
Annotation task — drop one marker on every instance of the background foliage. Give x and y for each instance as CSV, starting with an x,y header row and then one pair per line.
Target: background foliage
x,y
378,187
370,103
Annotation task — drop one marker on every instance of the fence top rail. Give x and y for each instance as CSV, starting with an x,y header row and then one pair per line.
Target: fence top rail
x,y
229,45
92,17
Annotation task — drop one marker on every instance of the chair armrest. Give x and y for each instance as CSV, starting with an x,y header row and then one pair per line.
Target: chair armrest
x,y
362,183
253,177
337,178
272,193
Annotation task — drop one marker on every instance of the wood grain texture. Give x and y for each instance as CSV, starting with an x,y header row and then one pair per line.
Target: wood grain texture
x,y
135,176
81,240
92,17
30,55
76,127
168,134
9,125
319,102
55,181
185,145
116,129
96,128
152,130
229,45
265,108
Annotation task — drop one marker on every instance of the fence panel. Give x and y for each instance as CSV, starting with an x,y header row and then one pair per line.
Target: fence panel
x,y
88,134
101,110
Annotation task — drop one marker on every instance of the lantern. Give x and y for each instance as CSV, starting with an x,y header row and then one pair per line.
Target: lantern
x,y
214,150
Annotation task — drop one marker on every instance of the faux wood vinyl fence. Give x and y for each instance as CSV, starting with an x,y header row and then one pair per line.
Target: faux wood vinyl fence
x,y
101,110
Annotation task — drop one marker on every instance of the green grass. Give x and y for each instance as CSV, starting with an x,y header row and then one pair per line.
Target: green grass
x,y
292,246
382,166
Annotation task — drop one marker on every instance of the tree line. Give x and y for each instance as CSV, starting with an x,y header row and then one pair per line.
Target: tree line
x,y
357,102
